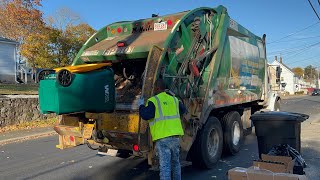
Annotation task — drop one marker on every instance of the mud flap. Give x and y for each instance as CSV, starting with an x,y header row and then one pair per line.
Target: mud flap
x,y
273,103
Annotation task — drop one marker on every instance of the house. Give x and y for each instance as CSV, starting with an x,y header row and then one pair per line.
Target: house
x,y
273,82
289,82
8,51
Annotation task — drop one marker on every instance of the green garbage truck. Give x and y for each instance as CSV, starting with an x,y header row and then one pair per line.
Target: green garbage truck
x,y
215,66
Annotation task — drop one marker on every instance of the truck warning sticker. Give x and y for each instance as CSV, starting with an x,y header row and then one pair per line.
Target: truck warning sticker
x,y
119,50
90,53
160,26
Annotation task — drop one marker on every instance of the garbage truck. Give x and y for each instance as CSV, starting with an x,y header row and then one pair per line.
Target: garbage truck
x,y
211,63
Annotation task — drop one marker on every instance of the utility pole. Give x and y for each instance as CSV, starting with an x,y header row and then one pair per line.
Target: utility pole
x,y
317,82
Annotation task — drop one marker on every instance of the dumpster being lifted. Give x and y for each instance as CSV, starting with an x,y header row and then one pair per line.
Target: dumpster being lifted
x,y
84,88
214,65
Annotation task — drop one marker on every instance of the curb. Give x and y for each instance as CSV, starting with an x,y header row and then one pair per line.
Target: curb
x,y
23,138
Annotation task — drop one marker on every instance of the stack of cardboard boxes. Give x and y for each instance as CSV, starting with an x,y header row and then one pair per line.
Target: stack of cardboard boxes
x,y
268,167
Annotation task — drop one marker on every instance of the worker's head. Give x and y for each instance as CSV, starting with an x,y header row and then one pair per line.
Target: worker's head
x,y
159,86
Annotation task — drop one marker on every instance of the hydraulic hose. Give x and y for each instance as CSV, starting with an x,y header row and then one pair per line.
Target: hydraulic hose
x,y
88,144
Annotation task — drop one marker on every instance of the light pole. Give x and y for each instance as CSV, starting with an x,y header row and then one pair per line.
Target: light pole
x,y
316,68
317,83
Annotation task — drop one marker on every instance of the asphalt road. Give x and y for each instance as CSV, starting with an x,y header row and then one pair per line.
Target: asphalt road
x,y
39,159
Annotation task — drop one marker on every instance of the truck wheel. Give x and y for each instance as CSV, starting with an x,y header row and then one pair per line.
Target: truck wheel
x,y
233,132
208,145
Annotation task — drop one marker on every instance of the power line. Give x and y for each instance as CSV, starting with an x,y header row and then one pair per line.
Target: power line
x,y
294,33
299,51
292,49
303,60
298,39
302,50
314,9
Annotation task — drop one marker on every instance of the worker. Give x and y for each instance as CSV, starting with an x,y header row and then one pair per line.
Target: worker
x,y
163,112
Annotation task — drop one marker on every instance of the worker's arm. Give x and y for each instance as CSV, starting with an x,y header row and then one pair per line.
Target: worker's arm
x,y
182,108
147,112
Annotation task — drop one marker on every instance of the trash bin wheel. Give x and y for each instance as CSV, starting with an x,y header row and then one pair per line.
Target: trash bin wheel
x,y
208,145
64,77
43,73
233,132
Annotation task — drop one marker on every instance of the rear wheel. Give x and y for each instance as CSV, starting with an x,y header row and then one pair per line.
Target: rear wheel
x,y
233,132
208,145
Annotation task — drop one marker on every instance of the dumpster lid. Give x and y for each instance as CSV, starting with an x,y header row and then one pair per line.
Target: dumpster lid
x,y
278,116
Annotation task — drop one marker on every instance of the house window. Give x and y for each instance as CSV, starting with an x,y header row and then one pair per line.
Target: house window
x,y
282,79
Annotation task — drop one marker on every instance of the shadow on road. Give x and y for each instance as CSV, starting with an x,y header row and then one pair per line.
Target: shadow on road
x,y
311,154
131,168
137,168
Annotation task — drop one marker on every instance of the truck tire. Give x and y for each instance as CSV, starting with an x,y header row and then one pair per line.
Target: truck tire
x,y
233,132
208,145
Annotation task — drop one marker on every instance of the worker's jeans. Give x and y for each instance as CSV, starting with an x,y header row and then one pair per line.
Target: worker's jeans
x,y
168,150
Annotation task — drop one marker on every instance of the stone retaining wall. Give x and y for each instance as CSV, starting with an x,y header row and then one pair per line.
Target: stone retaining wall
x,y
18,109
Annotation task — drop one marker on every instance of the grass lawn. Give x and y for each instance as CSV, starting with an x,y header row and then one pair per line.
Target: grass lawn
x,y
11,89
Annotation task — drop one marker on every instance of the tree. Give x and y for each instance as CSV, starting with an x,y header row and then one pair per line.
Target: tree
x,y
51,48
310,72
19,18
57,43
40,48
43,45
78,35
63,18
298,71
73,35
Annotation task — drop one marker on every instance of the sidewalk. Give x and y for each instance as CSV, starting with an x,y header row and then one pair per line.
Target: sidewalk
x,y
293,96
20,135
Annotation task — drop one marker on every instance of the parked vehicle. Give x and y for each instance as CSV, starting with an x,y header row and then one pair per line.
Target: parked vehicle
x,y
217,67
316,92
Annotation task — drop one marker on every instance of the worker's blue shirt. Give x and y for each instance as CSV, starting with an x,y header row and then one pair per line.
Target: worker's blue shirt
x,y
148,112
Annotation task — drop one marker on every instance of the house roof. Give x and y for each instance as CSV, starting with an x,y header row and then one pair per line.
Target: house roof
x,y
8,40
280,63
289,69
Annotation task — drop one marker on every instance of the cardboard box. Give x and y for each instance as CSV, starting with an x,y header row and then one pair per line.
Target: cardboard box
x,y
276,164
255,173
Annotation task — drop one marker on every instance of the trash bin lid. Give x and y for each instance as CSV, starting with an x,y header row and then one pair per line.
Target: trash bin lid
x,y
278,116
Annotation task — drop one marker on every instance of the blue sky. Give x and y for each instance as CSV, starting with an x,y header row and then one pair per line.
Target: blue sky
x,y
276,18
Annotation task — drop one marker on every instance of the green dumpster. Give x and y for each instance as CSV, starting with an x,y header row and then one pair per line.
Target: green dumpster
x,y
65,92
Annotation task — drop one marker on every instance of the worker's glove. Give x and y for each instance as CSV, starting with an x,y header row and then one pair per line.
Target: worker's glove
x,y
141,101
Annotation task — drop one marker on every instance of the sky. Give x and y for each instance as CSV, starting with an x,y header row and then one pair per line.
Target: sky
x,y
292,28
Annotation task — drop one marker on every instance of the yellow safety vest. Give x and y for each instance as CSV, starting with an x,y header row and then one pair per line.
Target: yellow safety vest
x,y
167,121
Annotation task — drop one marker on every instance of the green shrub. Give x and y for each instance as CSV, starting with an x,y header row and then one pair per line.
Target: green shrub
x,y
299,92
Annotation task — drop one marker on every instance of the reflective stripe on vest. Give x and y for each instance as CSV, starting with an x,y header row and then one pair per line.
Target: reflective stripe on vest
x,y
161,117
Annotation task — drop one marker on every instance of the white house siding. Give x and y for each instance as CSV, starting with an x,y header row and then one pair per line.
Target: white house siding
x,y
289,79
287,76
7,62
